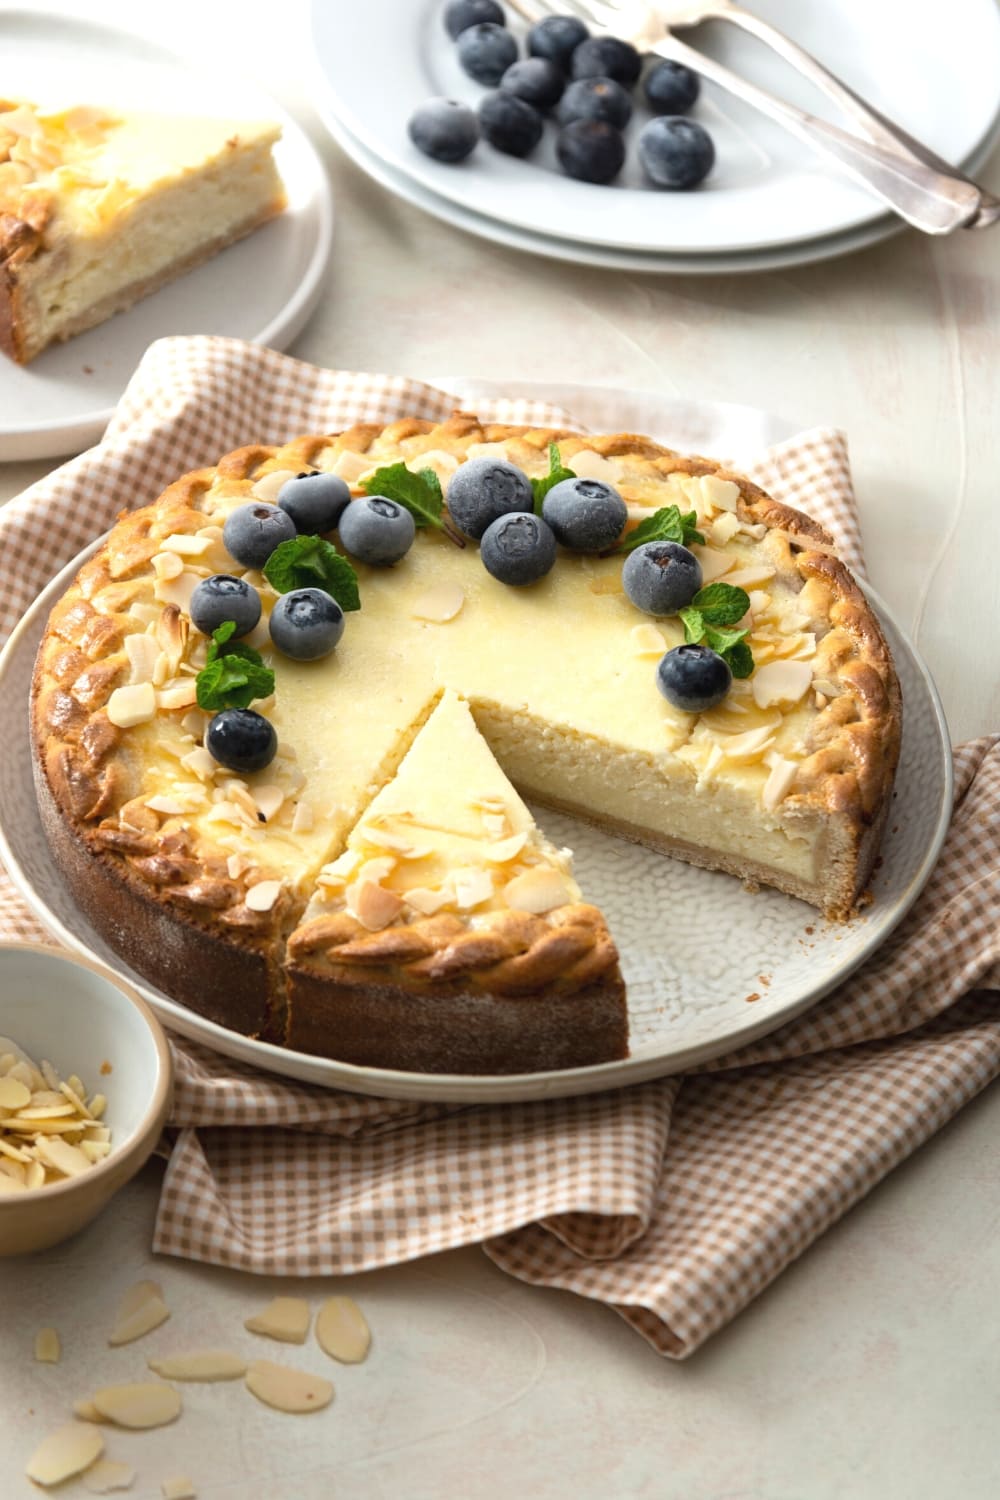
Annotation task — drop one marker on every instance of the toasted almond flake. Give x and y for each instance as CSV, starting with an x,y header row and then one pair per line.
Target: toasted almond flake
x,y
267,487
779,783
820,700
149,1315
139,1405
177,695
132,705
378,869
167,565
751,577
200,762
235,866
263,895
187,544
174,806
713,564
781,682
284,1318
439,604
724,494
13,1093
372,904
426,901
827,687
302,818
107,1475
538,890
646,640
384,838
193,723
178,1487
590,465
471,887
67,1451
142,652
759,601
724,528
342,1332
200,1364
350,466
287,1390
743,749
442,463
268,800
507,849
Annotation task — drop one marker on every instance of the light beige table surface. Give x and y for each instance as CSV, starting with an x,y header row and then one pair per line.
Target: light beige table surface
x,y
871,1370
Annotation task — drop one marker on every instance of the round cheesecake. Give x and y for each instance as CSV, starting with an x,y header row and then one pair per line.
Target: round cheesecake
x,y
379,893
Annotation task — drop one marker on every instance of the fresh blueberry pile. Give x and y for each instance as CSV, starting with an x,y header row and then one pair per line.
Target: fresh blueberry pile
x,y
584,83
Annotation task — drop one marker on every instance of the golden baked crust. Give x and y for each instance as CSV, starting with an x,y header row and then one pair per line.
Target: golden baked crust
x,y
145,878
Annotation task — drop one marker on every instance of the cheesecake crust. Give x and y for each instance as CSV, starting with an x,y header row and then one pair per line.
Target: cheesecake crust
x,y
382,998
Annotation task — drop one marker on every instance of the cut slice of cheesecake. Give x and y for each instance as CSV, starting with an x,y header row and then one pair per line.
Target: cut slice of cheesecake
x,y
101,208
450,934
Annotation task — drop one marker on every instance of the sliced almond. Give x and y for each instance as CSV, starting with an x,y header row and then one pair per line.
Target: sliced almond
x,y
646,640
439,604
13,1093
268,799
142,652
86,1411
341,1330
713,564
11,1185
779,783
372,904
48,1350
287,1390
199,1364
263,895
751,577
67,1451
130,1316
107,1475
177,590
590,465
426,901
472,888
781,682
167,565
284,1318
67,1159
350,466
506,849
538,890
141,1405
132,705
743,749
268,486
724,494
724,528
187,543
302,818
178,1487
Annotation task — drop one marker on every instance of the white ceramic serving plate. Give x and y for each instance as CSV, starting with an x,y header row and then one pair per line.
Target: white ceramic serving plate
x,y
940,80
695,946
262,289
605,257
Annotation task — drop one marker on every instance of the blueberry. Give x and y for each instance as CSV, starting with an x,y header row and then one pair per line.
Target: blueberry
x,y
596,99
607,57
314,501
535,80
444,129
693,678
461,14
586,515
486,52
377,531
509,124
220,598
518,549
591,150
661,578
671,88
675,153
241,739
484,489
252,532
306,623
557,38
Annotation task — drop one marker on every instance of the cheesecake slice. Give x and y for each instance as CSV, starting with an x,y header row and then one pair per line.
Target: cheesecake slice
x,y
99,209
450,934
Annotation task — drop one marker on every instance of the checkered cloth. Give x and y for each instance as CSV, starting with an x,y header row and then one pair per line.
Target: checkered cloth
x,y
675,1201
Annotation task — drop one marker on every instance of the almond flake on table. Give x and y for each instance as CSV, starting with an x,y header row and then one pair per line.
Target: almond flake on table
x,y
286,1389
342,1331
284,1318
139,1405
67,1451
141,1309
107,1475
48,1349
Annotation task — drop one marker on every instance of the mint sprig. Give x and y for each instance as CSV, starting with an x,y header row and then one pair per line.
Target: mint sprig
x,y
712,610
233,674
666,525
418,493
311,562
557,473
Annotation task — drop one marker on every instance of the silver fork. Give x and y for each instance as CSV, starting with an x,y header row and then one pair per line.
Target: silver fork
x,y
922,189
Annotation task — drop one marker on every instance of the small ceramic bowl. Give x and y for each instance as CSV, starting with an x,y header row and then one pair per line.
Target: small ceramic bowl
x,y
86,1021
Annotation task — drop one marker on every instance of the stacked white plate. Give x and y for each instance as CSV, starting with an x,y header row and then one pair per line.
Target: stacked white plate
x,y
769,202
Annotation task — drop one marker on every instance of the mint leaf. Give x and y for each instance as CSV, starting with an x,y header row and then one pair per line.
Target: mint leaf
x,y
666,525
721,603
557,473
311,562
694,625
740,659
233,677
723,640
420,494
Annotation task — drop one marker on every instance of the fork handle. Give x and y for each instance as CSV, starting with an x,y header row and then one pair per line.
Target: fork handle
x,y
877,127
936,202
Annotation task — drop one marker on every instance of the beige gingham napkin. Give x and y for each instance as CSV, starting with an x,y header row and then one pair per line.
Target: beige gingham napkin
x,y
675,1201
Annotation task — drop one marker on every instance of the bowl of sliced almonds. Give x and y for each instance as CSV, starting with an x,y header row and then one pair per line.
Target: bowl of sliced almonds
x,y
85,1088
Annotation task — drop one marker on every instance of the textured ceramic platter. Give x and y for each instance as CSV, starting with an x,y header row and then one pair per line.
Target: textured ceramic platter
x,y
941,82
695,945
262,289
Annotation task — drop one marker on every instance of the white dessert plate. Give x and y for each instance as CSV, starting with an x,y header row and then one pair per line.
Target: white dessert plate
x,y
262,289
605,257
709,965
940,81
